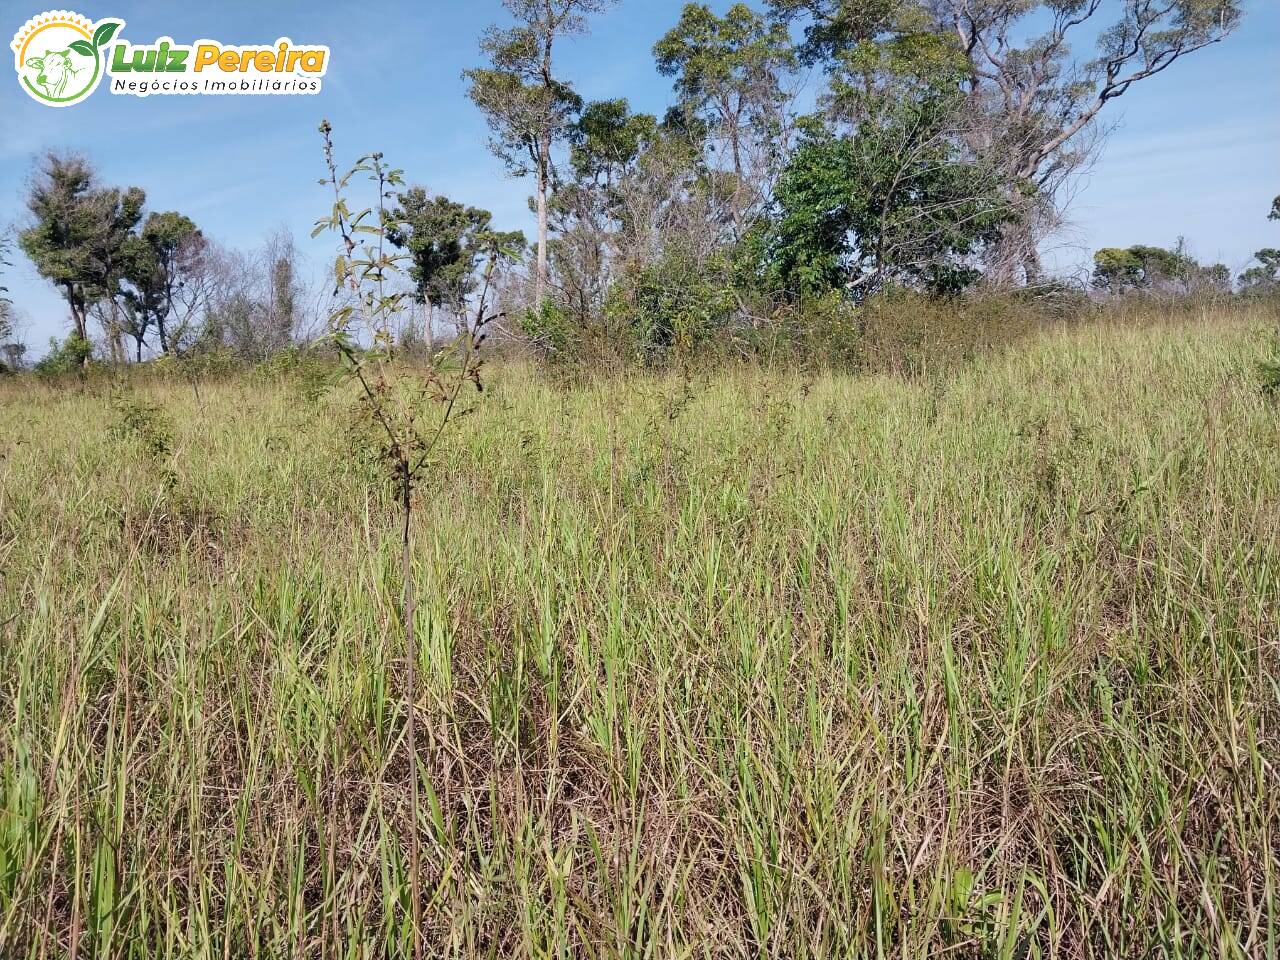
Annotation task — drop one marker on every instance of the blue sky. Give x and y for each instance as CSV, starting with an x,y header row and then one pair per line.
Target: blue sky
x,y
1195,151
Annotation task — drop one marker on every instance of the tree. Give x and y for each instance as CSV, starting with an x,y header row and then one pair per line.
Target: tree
x,y
280,300
1037,100
606,139
1265,275
6,305
1143,267
408,410
157,262
10,350
4,262
584,213
253,302
1116,269
897,201
728,74
665,230
78,231
528,109
141,296
446,242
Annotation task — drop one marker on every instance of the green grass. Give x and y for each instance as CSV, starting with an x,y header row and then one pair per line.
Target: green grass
x,y
750,664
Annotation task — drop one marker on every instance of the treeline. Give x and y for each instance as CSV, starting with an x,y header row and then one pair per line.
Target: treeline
x,y
933,161
143,282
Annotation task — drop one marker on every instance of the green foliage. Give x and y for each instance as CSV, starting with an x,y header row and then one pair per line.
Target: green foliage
x,y
1142,267
1264,276
152,265
1032,102
312,370
728,75
898,201
1270,373
550,328
834,26
69,355
726,69
1116,269
676,303
527,108
138,420
447,243
606,139
523,116
79,231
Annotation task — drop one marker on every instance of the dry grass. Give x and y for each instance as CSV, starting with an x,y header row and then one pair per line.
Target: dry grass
x,y
753,664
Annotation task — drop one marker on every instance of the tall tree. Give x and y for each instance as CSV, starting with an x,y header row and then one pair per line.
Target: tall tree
x,y
728,72
78,231
446,242
605,141
10,351
528,108
283,289
1038,99
157,261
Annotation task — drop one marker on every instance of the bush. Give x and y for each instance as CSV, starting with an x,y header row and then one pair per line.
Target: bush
x,y
675,304
312,371
550,328
70,355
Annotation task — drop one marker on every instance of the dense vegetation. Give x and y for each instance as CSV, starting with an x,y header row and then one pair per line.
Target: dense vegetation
x,y
937,155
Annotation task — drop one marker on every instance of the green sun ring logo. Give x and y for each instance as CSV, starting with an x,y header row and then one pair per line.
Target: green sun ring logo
x,y
101,37
47,46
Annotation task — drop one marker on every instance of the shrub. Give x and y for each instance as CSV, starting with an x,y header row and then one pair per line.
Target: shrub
x,y
548,326
312,371
676,303
70,355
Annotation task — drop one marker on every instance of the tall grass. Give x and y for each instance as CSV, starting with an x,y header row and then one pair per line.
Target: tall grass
x,y
747,663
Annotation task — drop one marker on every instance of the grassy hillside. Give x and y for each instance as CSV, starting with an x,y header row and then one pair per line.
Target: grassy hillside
x,y
744,664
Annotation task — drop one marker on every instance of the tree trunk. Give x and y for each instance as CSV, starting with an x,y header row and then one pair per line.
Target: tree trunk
x,y
1009,257
115,337
78,311
1031,268
540,277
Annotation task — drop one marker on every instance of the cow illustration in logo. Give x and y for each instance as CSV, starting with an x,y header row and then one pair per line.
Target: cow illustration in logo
x,y
59,54
56,72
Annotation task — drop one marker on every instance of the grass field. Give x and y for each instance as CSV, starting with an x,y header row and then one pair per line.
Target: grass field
x,y
747,663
